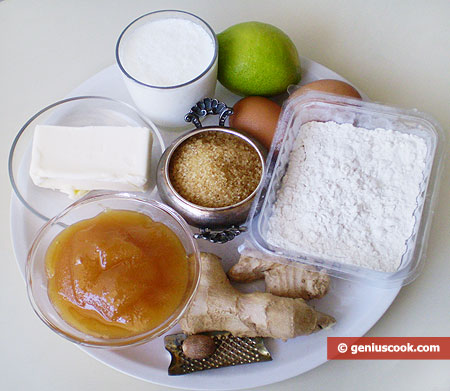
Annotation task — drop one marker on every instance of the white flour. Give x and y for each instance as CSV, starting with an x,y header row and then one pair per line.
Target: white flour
x,y
349,194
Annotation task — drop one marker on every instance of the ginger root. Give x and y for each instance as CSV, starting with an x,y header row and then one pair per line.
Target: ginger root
x,y
281,279
218,306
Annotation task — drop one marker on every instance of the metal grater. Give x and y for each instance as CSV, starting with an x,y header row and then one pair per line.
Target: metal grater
x,y
229,351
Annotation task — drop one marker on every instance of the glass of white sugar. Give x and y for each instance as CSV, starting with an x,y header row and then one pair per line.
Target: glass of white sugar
x,y
168,61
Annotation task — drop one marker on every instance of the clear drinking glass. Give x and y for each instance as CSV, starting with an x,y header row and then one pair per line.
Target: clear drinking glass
x,y
167,105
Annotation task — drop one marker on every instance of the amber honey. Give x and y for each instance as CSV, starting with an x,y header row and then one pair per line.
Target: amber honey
x,y
116,275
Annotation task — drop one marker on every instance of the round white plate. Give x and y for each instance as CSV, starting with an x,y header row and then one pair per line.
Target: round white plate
x,y
357,308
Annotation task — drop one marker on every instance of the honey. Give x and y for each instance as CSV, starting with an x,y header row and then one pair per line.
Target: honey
x,y
116,275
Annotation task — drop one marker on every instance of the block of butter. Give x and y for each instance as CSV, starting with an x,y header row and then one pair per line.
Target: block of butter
x,y
79,159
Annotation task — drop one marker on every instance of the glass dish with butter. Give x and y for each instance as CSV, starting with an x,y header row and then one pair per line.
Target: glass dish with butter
x,y
112,270
81,144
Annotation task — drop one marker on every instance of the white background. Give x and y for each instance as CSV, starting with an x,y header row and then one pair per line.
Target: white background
x,y
398,52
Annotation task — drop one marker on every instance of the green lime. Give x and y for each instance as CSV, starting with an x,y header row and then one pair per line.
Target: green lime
x,y
257,59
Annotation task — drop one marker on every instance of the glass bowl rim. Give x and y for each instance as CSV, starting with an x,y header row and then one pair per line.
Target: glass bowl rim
x,y
112,343
24,127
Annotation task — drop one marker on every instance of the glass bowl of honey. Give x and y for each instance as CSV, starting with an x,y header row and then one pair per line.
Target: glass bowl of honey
x,y
113,270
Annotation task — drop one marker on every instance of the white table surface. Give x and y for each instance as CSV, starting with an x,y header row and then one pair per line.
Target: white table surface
x,y
398,52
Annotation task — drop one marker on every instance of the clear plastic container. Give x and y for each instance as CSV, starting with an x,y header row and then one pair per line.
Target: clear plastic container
x,y
318,106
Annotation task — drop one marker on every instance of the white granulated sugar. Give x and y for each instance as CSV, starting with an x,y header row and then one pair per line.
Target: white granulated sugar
x,y
349,194
167,52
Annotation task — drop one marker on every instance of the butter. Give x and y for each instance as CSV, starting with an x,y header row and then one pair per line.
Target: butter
x,y
75,160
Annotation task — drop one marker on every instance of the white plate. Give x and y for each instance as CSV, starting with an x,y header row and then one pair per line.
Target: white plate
x,y
357,308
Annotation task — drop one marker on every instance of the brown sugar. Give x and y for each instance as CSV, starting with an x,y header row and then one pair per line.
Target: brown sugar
x,y
215,169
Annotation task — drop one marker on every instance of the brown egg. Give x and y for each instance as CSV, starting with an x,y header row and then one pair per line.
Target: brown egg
x,y
328,85
258,117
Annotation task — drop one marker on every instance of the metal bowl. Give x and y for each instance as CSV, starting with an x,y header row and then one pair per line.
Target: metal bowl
x,y
199,216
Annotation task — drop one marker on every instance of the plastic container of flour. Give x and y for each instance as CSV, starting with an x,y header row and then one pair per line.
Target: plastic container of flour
x,y
322,107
